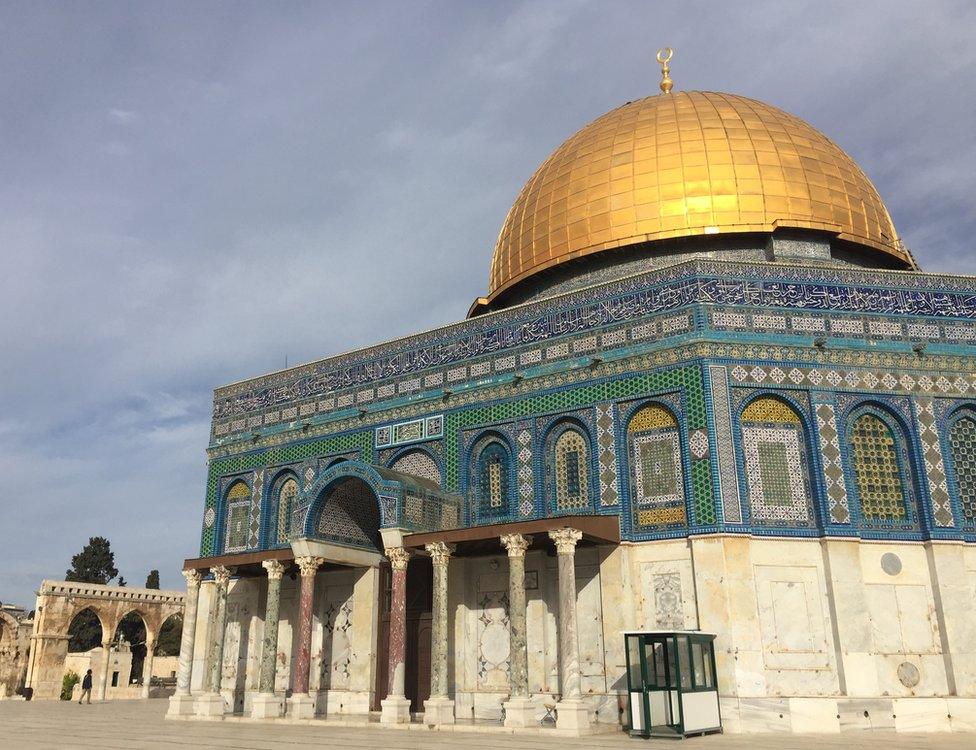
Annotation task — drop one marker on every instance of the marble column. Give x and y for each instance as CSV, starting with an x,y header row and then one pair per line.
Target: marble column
x,y
181,703
571,712
396,706
211,703
106,659
266,704
301,705
519,709
147,665
439,708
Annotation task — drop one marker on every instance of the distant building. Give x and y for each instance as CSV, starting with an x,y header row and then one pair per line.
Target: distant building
x,y
708,388
15,631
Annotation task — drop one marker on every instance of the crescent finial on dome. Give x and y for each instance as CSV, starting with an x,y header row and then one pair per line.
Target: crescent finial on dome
x,y
664,58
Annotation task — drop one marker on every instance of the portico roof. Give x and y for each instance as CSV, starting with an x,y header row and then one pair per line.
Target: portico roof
x,y
485,540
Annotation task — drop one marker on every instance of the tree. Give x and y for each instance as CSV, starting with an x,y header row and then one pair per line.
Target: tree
x,y
85,631
152,580
168,642
94,564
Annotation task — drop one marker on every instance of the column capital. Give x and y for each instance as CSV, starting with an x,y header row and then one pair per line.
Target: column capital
x,y
440,552
309,566
221,574
274,568
565,539
398,557
516,544
107,644
193,578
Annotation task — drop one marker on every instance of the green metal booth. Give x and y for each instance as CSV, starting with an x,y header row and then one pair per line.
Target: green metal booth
x,y
671,683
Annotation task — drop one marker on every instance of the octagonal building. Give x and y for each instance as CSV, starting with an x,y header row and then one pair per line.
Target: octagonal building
x,y
707,389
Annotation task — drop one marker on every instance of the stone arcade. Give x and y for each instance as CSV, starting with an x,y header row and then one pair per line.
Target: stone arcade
x,y
59,602
709,388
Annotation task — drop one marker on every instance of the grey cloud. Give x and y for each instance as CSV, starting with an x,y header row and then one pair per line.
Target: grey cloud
x,y
192,193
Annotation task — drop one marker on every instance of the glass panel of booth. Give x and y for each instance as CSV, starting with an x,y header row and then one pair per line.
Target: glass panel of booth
x,y
634,679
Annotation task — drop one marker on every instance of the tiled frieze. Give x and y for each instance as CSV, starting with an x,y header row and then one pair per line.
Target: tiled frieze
x,y
843,378
928,433
620,310
727,475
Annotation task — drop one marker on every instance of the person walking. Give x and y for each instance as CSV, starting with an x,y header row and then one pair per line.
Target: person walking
x,y
86,684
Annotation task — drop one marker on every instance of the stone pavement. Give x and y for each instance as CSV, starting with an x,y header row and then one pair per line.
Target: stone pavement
x,y
140,724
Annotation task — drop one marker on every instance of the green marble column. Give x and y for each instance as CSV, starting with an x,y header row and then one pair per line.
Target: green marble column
x,y
269,653
215,658
518,676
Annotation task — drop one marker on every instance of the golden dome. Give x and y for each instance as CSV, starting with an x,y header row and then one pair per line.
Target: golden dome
x,y
685,164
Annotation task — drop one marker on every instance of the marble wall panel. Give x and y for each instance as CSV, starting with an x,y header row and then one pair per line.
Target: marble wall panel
x,y
667,595
491,630
589,623
798,645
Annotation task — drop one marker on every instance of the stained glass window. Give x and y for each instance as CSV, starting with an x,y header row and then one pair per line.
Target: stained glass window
x,y
571,456
492,480
774,451
962,448
874,453
238,505
287,491
656,470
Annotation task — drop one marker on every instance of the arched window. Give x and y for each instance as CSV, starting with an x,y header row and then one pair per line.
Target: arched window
x,y
571,462
418,464
492,480
285,494
876,459
962,451
655,467
236,517
775,456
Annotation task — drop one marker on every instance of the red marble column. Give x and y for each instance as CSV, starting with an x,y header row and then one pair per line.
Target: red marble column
x,y
398,620
309,567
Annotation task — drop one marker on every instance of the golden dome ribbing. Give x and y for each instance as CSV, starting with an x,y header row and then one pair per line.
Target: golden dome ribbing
x,y
684,164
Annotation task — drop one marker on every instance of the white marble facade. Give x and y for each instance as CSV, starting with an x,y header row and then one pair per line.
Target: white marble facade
x,y
878,634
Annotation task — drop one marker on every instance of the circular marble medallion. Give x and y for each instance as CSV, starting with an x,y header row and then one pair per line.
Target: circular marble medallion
x,y
891,563
908,674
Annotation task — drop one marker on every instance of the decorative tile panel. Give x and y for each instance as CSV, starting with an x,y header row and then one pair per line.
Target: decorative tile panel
x,y
833,470
874,456
605,434
413,431
962,448
776,474
418,464
526,483
928,433
257,487
728,477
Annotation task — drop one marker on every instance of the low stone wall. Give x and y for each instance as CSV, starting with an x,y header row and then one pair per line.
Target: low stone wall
x,y
128,692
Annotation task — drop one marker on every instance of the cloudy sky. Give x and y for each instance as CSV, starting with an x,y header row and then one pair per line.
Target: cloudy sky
x,y
192,193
